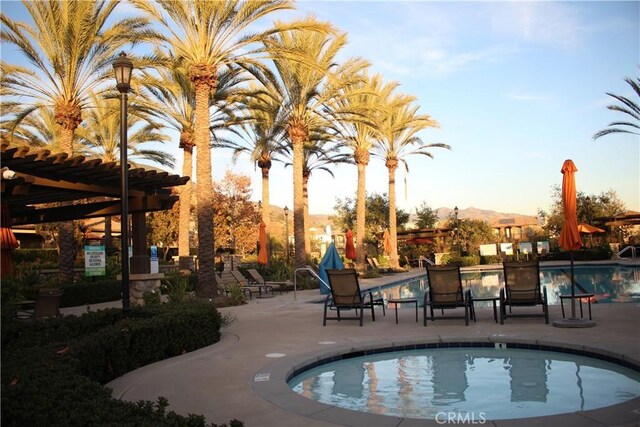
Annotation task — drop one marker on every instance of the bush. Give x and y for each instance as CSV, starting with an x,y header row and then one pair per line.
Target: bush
x,y
93,292
52,370
44,258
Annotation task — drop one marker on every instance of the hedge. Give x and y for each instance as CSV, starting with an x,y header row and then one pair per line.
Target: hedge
x,y
53,370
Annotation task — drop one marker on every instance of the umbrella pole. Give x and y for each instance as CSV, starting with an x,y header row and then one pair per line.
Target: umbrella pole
x,y
573,290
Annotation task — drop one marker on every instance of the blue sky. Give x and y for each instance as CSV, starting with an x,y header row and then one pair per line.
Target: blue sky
x,y
517,88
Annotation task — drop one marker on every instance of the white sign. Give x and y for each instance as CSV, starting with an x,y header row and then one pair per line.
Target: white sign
x,y
94,261
525,247
507,248
488,250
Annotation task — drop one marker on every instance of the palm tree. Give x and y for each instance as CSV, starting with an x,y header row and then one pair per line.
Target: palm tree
x,y
71,46
398,139
261,137
207,36
359,135
309,91
629,107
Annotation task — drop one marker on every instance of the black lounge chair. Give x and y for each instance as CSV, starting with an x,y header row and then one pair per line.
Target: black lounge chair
x,y
346,295
247,284
445,293
522,289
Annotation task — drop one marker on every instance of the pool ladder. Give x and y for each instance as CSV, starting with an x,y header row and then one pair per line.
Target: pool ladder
x,y
633,252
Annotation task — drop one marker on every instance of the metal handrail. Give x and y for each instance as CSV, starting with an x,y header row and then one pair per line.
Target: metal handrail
x,y
309,270
425,259
633,252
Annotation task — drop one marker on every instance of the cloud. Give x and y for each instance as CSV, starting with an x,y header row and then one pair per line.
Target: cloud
x,y
556,25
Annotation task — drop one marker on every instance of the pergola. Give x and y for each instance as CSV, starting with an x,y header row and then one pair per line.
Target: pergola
x,y
39,186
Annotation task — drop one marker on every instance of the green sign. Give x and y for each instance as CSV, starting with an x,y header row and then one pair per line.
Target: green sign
x,y
94,261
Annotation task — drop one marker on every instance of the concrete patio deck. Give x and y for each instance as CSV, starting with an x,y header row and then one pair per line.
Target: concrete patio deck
x,y
269,337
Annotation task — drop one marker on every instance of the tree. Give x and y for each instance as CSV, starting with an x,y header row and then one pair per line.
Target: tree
x,y
398,139
236,219
207,36
358,134
426,217
471,233
70,45
377,218
163,227
629,107
309,86
605,204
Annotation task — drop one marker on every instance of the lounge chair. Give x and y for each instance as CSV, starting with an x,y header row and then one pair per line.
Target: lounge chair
x,y
47,304
346,295
256,277
376,265
247,284
522,289
445,292
226,280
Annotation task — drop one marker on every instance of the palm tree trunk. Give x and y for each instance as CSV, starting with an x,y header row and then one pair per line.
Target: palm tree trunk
x,y
66,238
107,233
185,211
266,208
298,203
361,199
393,228
305,209
206,286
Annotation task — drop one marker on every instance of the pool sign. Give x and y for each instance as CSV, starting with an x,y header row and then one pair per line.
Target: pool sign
x,y
94,261
154,259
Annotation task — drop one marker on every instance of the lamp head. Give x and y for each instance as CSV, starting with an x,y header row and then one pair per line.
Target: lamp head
x,y
455,210
123,68
286,211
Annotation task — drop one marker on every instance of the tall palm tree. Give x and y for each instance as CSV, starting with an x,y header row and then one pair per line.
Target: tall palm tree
x,y
70,46
359,134
398,139
629,107
261,137
207,36
310,90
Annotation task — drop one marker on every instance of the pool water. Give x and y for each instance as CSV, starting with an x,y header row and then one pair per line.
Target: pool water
x,y
609,284
480,383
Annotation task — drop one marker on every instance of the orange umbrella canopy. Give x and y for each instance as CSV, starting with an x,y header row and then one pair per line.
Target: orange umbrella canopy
x,y
589,229
8,241
262,254
386,242
350,249
569,236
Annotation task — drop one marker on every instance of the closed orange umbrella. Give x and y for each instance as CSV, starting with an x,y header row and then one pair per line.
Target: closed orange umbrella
x,y
263,257
7,241
350,249
386,242
569,236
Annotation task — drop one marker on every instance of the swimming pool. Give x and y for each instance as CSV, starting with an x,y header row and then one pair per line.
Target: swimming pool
x,y
608,283
476,382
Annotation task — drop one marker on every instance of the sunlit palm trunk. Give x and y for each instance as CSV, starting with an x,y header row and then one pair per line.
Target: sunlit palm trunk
x,y
305,209
361,197
207,286
185,209
298,203
266,208
393,230
66,240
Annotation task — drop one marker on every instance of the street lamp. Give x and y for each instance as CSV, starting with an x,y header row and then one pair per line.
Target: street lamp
x,y
455,211
123,68
286,232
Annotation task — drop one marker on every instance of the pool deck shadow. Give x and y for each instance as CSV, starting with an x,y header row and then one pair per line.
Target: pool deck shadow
x,y
243,375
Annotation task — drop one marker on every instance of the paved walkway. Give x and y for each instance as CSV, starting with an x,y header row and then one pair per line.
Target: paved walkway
x,y
267,338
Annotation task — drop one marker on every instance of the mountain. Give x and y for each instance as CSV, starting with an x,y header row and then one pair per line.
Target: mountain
x,y
475,213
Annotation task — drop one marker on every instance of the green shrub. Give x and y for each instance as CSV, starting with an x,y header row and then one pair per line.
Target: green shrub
x,y
490,259
175,287
52,370
93,292
40,257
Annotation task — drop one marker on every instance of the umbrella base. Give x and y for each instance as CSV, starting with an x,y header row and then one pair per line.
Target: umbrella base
x,y
574,323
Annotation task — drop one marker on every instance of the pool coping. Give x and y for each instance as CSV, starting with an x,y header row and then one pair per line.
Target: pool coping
x,y
270,383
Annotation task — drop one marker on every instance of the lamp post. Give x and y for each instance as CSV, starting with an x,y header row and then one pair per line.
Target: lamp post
x,y
455,211
286,233
123,68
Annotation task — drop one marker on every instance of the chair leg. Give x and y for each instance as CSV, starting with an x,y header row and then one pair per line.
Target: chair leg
x,y
324,321
424,315
503,311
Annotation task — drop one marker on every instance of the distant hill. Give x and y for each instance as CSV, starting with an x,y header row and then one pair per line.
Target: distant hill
x,y
475,213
